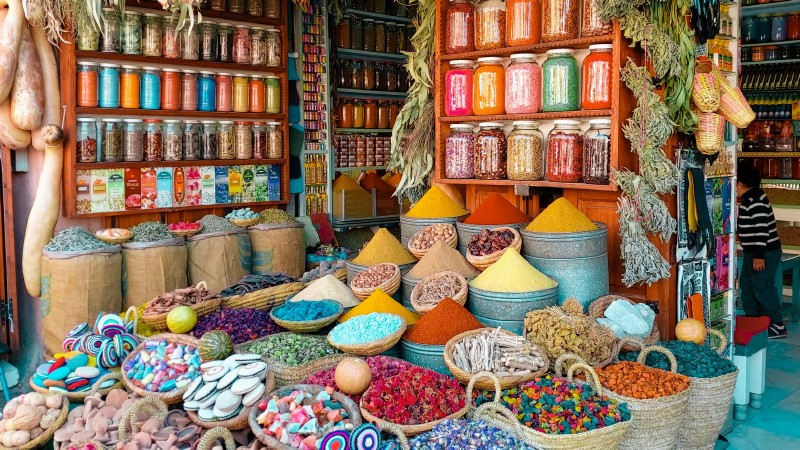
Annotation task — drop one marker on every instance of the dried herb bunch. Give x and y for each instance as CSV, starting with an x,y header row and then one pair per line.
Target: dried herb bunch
x,y
651,207
642,260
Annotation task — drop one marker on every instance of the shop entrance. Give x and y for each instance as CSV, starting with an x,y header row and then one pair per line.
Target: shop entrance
x,y
9,334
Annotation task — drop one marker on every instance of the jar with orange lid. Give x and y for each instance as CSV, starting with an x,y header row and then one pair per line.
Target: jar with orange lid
x,y
596,80
488,90
370,115
87,84
241,92
358,114
189,99
170,89
523,22
257,94
129,87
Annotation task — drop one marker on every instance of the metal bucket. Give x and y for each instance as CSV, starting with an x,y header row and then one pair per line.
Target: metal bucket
x,y
429,356
508,309
410,225
577,261
407,285
466,231
393,351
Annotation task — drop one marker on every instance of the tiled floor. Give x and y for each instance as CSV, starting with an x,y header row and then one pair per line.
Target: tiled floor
x,y
777,424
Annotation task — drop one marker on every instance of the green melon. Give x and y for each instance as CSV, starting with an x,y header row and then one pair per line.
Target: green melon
x,y
215,345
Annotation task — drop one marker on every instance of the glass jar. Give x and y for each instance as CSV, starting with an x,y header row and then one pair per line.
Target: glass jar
x,y
86,148
763,28
370,115
380,76
597,77
173,140
458,88
151,88
242,140
110,31
758,54
225,42
87,37
369,75
597,152
749,30
785,168
131,33
369,5
206,92
192,148
87,84
189,90
391,37
208,41
368,32
170,89
151,35
488,91
224,92
241,92
345,113
357,80
379,6
274,140
526,152
343,33
784,143
272,9
394,110
560,85
225,138
259,139
749,143
344,70
208,140
390,71
111,130
380,36
152,142
273,48
241,44
460,152
560,20
109,85
190,44
218,5
778,28
133,148
257,94
402,79
130,87
747,54
565,152
237,6
255,8
356,33
490,152
523,85
401,39
171,39
771,53
593,24
490,23
793,26
383,115
358,114
258,47
523,22
273,94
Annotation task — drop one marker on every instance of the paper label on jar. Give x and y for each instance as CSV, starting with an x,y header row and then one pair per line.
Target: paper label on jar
x,y
179,187
149,188
208,185
99,190
234,184
133,189
221,180
248,184
164,186
274,183
193,186
83,196
116,190
262,183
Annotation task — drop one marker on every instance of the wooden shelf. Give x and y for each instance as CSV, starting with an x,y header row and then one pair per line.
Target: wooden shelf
x,y
182,208
535,116
542,184
208,115
774,61
367,94
768,155
363,130
763,44
199,162
535,48
210,13
376,16
172,62
373,56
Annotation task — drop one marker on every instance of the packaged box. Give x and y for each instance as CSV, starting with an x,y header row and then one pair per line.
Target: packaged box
x,y
234,184
194,195
133,188
149,188
208,185
116,190
262,183
99,190
179,187
274,183
83,196
221,183
248,184
164,187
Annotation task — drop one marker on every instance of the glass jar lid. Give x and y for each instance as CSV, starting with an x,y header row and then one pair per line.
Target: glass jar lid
x,y
223,74
133,120
191,122
601,47
156,69
599,122
523,56
86,119
526,123
241,75
169,69
151,15
490,125
273,77
274,124
111,120
189,71
226,122
132,13
567,123
461,127
110,65
131,67
87,63
490,60
241,122
207,72
209,122
172,121
256,76
560,51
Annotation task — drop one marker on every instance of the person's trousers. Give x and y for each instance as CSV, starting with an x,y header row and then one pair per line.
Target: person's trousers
x,y
757,289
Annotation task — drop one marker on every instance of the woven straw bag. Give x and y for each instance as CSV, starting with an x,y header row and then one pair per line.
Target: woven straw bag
x,y
705,89
483,262
159,321
419,252
459,297
710,134
388,286
598,308
732,105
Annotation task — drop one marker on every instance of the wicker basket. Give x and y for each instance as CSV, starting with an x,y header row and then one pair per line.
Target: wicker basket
x,y
169,398
187,233
159,321
483,262
264,298
505,382
244,223
411,430
598,308
307,326
286,374
419,252
272,443
459,297
389,286
213,435
341,275
239,422
127,235
705,91
710,134
79,396
732,106
374,347
43,438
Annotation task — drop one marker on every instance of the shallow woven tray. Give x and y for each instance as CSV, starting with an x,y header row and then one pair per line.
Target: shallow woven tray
x,y
374,347
483,262
169,398
187,233
598,308
389,286
264,298
79,396
114,240
43,438
418,252
460,297
240,421
307,326
244,223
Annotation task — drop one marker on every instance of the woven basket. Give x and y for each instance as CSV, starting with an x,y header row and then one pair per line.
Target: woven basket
x,y
374,347
43,438
285,374
705,91
187,233
213,435
307,326
707,408
239,422
389,286
506,382
598,308
710,133
114,240
264,298
732,105
459,297
79,396
483,262
341,275
419,252
159,321
394,430
152,406
313,389
169,398
244,223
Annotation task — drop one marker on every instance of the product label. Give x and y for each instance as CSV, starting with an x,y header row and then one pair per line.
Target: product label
x,y
84,192
194,195
116,190
208,185
99,190
274,187
133,188
179,187
164,187
248,184
149,188
221,180
262,183
234,184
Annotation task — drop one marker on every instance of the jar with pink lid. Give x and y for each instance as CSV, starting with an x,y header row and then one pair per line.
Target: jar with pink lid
x,y
458,88
523,85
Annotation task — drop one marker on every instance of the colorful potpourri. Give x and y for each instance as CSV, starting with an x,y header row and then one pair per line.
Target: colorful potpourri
x,y
466,434
694,360
383,367
241,324
460,152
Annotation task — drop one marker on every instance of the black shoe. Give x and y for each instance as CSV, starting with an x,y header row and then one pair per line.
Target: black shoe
x,y
777,332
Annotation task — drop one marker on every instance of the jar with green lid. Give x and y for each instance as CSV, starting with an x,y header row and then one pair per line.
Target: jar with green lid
x,y
356,33
131,33
242,140
133,148
111,135
173,140
208,139
87,37
209,44
190,43
525,152
86,140
192,148
560,81
368,35
273,94
151,35
380,36
225,140
110,31
225,42
273,49
237,6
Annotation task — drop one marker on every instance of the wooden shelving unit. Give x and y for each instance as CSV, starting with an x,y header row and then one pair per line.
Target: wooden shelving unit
x,y
535,48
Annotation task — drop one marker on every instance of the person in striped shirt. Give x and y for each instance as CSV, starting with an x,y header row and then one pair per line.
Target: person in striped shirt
x,y
758,235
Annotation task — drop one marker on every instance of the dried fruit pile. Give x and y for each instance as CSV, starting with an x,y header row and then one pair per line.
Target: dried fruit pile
x,y
487,242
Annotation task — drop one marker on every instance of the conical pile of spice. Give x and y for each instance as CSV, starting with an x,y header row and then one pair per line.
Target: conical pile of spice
x,y
512,273
442,258
435,204
373,181
561,217
327,288
447,320
392,178
496,210
384,248
345,183
380,302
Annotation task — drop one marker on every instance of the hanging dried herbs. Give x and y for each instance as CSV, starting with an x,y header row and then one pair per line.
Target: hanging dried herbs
x,y
655,212
642,260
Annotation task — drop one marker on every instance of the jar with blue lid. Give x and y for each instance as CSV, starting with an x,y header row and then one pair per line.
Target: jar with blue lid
x,y
207,91
109,85
151,88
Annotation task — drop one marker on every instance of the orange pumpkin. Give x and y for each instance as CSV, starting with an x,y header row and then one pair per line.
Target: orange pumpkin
x,y
691,330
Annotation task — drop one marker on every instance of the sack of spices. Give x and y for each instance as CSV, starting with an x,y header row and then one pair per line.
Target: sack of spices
x,y
278,248
152,268
220,258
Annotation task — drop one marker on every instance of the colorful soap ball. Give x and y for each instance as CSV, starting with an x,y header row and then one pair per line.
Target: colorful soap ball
x,y
110,340
163,366
70,372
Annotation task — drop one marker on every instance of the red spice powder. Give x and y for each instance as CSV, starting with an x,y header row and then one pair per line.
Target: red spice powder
x,y
496,210
442,323
373,181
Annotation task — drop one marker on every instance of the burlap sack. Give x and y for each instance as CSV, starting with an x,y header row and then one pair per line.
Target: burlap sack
x,y
278,248
150,269
76,287
220,259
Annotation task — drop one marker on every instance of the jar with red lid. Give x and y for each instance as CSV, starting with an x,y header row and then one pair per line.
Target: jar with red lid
x,y
596,80
458,88
189,90
490,152
224,92
565,152
241,44
170,89
523,85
